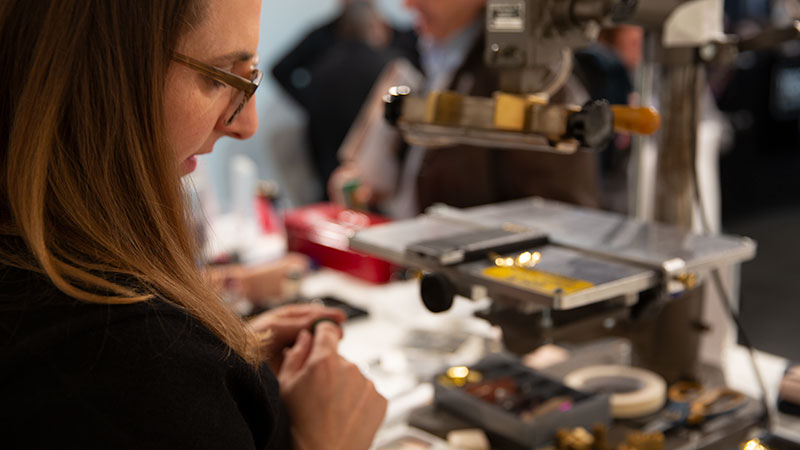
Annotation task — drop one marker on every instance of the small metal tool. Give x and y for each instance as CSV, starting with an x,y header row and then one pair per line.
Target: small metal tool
x,y
692,405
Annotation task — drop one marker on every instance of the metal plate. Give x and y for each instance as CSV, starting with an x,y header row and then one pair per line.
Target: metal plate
x,y
657,246
564,279
614,254
389,241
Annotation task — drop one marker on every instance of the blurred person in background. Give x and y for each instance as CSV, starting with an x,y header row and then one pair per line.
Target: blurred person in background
x,y
451,48
330,73
606,68
760,97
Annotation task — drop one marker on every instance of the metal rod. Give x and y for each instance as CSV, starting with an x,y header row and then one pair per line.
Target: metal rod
x,y
641,173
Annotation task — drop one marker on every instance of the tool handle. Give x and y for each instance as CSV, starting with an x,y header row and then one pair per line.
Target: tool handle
x,y
643,120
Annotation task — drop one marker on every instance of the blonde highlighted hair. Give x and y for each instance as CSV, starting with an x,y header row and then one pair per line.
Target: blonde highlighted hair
x,y
89,183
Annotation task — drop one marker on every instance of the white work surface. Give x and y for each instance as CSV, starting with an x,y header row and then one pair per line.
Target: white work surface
x,y
393,309
376,343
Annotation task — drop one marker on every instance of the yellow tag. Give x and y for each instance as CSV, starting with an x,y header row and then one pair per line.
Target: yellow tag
x,y
509,112
536,280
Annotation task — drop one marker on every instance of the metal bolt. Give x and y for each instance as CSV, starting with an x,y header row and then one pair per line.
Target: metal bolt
x,y
708,52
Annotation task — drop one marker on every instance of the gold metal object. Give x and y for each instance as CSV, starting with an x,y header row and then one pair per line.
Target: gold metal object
x,y
459,376
530,115
444,108
510,112
575,439
689,280
643,441
754,444
703,403
581,439
684,391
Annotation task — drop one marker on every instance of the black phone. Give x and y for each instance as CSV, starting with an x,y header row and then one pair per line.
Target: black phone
x,y
351,311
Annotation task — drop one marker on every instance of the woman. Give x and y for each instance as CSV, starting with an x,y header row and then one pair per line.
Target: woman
x,y
109,337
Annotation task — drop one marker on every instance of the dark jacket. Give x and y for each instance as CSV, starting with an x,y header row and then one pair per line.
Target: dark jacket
x,y
331,76
466,176
600,70
144,376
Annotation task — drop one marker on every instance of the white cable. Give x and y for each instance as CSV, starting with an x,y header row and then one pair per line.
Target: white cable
x,y
561,77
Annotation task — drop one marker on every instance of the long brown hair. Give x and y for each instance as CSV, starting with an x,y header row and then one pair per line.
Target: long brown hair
x,y
89,182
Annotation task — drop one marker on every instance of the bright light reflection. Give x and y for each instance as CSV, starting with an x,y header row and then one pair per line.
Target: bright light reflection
x,y
525,258
754,445
458,372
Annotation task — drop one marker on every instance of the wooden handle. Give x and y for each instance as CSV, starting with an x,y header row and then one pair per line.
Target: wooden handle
x,y
636,120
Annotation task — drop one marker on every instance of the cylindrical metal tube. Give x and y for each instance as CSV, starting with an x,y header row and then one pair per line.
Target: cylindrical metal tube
x,y
641,174
586,10
676,157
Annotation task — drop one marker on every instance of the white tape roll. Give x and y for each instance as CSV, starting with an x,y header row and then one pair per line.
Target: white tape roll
x,y
634,392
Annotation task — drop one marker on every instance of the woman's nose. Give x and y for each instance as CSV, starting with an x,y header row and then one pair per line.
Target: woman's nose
x,y
246,123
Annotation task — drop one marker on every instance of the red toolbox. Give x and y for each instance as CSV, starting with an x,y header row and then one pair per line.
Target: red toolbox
x,y
322,231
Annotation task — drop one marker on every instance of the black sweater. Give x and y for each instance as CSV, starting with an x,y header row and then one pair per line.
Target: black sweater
x,y
147,375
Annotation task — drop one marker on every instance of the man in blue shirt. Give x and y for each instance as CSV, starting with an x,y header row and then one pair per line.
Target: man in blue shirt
x,y
451,44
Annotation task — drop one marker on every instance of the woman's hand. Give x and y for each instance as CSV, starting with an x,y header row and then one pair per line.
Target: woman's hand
x,y
258,284
331,404
350,174
279,328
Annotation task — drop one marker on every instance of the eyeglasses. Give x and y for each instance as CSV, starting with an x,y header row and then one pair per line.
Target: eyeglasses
x,y
245,87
